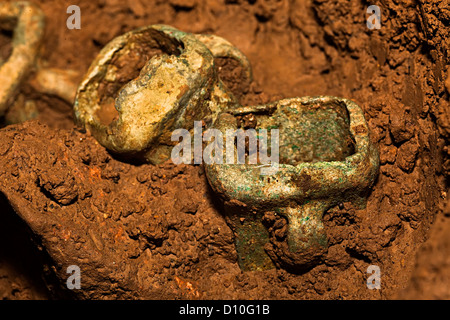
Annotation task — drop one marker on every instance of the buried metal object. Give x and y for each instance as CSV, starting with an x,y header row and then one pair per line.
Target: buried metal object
x,y
27,20
326,157
27,23
150,81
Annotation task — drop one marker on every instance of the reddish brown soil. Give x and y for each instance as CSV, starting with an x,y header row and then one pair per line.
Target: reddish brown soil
x,y
157,232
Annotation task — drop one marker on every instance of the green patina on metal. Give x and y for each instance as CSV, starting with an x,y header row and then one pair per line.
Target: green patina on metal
x,y
326,156
251,237
177,85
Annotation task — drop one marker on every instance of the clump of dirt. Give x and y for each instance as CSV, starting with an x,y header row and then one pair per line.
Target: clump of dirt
x,y
431,274
158,231
233,76
49,109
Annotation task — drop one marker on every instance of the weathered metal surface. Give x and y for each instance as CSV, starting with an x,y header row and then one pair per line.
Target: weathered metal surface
x,y
27,22
176,84
148,82
326,157
153,80
221,48
56,82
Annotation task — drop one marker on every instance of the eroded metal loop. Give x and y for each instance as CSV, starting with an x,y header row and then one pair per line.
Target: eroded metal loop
x,y
326,157
153,80
28,31
171,82
27,22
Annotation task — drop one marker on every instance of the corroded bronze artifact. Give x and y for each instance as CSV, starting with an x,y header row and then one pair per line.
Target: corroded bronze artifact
x,y
326,157
148,82
27,22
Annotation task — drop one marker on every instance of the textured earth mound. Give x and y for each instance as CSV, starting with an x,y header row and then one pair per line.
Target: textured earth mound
x,y
157,232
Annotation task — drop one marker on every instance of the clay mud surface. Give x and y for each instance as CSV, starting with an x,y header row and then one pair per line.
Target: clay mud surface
x,y
139,231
